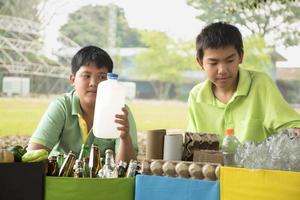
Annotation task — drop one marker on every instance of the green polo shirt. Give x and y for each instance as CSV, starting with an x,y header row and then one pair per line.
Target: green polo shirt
x,y
62,129
255,111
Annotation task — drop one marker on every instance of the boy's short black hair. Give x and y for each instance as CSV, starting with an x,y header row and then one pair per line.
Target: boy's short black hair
x,y
219,35
91,55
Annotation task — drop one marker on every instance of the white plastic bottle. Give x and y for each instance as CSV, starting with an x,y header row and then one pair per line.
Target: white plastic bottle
x,y
109,101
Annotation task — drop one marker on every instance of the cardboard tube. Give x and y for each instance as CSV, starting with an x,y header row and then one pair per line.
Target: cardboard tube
x,y
173,147
155,144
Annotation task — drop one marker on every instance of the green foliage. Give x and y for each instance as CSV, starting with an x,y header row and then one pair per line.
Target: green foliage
x,y
252,4
277,18
90,25
164,61
20,8
256,54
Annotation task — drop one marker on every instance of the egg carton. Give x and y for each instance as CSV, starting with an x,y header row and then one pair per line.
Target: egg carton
x,y
181,169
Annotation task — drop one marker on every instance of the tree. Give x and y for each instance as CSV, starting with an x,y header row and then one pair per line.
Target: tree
x,y
90,25
256,54
163,61
275,19
257,3
19,8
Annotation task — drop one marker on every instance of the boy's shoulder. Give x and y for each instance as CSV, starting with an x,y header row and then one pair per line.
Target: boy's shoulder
x,y
65,100
200,87
66,97
258,77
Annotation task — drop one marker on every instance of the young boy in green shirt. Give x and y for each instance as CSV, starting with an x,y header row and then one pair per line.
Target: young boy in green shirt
x,y
68,121
232,97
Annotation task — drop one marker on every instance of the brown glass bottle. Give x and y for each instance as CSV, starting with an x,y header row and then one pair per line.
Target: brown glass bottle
x,y
52,166
94,162
67,167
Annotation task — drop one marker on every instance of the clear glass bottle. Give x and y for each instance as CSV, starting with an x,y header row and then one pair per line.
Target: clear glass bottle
x,y
131,171
229,146
122,168
78,172
94,162
109,169
67,167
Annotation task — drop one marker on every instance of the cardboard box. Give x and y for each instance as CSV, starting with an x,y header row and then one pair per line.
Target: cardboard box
x,y
19,181
170,188
208,156
69,188
250,184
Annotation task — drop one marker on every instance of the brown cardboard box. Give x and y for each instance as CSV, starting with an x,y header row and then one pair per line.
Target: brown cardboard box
x,y
208,156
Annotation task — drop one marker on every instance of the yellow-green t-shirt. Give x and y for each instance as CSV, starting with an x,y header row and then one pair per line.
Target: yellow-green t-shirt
x,y
255,111
63,129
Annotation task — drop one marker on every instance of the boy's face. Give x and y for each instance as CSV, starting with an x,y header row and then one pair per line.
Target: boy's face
x,y
221,66
85,82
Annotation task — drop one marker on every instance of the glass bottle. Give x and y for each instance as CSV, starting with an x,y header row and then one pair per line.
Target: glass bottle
x,y
78,172
52,166
122,168
60,160
67,167
94,162
109,169
84,151
86,169
131,171
229,146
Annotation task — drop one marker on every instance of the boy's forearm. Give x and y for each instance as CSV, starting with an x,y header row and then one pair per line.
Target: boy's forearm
x,y
126,151
35,146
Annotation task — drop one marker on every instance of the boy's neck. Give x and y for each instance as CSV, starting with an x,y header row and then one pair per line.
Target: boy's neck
x,y
88,115
224,94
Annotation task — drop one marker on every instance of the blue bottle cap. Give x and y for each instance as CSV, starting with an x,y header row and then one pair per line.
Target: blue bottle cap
x,y
112,76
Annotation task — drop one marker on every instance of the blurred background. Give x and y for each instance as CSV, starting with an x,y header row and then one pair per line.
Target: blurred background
x,y
151,43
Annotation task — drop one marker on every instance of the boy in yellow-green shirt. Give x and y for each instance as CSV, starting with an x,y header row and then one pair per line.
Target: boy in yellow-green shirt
x,y
232,97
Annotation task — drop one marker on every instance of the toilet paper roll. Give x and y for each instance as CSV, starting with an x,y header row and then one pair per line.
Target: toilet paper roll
x,y
173,147
155,144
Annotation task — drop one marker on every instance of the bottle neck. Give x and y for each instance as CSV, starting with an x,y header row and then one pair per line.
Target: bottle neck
x,y
109,160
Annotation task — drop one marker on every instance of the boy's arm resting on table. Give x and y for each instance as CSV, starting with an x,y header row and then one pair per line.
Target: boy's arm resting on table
x,y
35,146
49,128
279,114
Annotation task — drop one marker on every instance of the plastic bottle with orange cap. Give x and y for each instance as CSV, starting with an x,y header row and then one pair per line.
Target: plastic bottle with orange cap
x,y
229,147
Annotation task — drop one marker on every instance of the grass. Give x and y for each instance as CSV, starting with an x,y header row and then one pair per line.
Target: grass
x,y
159,114
20,116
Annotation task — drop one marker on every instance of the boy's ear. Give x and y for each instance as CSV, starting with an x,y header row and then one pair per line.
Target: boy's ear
x,y
200,63
72,79
241,58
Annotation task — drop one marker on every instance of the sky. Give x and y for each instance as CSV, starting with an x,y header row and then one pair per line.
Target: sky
x,y
171,16
174,17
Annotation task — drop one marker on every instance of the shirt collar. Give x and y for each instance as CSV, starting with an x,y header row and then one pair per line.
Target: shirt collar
x,y
75,103
206,95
